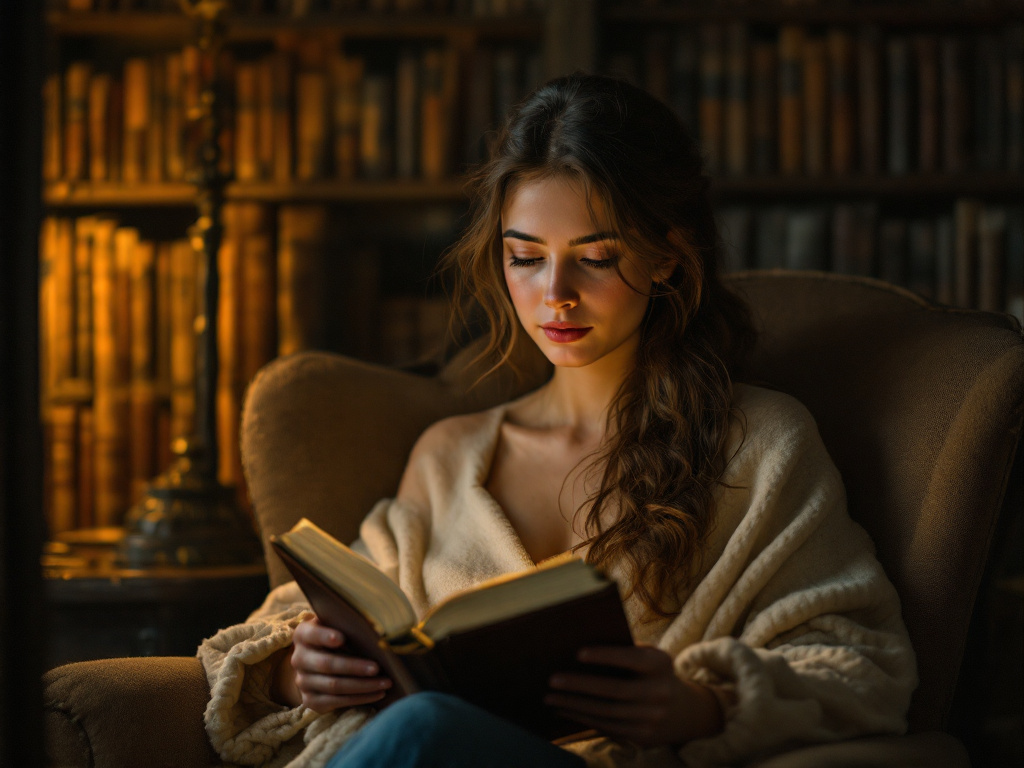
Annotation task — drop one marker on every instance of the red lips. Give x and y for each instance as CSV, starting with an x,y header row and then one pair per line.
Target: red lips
x,y
564,333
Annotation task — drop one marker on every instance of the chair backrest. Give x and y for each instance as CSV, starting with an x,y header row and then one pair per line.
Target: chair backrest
x,y
920,406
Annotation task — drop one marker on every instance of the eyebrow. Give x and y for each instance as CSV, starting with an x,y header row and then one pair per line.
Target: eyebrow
x,y
596,237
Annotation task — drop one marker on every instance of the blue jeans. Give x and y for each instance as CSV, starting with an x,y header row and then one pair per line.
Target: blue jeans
x,y
436,730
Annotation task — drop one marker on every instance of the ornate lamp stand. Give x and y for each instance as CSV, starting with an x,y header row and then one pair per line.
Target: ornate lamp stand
x,y
186,517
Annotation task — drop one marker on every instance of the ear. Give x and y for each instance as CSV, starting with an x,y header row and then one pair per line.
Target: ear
x,y
678,241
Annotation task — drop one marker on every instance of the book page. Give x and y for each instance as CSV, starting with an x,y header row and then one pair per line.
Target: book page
x,y
352,576
555,581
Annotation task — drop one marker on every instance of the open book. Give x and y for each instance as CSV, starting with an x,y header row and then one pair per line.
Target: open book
x,y
495,645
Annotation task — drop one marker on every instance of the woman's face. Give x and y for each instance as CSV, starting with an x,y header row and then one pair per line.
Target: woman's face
x,y
559,264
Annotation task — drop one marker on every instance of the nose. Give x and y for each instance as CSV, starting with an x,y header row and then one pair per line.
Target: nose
x,y
560,293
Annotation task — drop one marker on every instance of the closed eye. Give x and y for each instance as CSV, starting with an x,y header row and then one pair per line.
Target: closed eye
x,y
515,261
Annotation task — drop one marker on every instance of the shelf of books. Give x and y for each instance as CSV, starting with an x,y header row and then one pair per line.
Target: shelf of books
x,y
882,139
344,138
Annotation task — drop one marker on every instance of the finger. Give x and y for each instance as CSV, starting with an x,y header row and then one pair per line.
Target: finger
x,y
328,663
606,709
643,659
325,703
340,686
312,632
638,732
604,686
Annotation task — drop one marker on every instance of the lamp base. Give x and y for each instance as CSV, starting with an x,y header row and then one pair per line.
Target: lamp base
x,y
187,519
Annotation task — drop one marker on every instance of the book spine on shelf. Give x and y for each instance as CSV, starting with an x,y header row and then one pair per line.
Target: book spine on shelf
x,y
436,102
841,100
246,122
407,113
63,512
53,129
183,341
282,69
921,250
82,306
311,125
945,269
63,317
136,119
684,83
85,513
869,100
898,114
992,259
156,129
806,241
142,440
711,108
376,137
230,261
1014,47
99,134
302,246
76,117
965,254
815,105
954,104
478,112
225,74
346,82
926,58
737,100
109,401
265,118
790,107
763,114
892,250
174,118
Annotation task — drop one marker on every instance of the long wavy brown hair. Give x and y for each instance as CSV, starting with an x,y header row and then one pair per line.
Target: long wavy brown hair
x,y
669,421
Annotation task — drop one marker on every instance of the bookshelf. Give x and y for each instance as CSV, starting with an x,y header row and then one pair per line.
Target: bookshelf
x,y
883,139
331,227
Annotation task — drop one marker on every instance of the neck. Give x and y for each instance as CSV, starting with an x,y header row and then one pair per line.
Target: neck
x,y
579,398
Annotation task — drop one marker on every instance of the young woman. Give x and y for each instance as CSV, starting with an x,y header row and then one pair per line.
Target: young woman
x,y
761,616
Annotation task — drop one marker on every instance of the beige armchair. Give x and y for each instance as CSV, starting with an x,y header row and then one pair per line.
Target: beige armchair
x,y
921,407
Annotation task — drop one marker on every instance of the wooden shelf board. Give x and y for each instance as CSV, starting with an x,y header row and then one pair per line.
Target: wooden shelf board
x,y
930,14
86,193
177,27
935,185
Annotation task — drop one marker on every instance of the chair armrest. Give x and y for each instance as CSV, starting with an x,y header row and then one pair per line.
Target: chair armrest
x,y
118,713
931,749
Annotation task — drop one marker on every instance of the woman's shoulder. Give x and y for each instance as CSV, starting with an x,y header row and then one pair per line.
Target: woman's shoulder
x,y
461,428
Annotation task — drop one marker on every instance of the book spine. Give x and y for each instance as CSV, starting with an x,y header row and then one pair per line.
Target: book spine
x,y
63,461
764,120
225,74
992,259
815,106
479,95
136,119
685,77
191,101
841,101
310,125
156,129
926,55
86,490
265,117
76,117
806,239
892,250
965,214
954,104
281,66
183,341
945,248
47,305
989,104
246,122
407,114
63,327
82,306
142,453
174,117
300,278
115,130
99,113
109,404
737,100
791,86
258,323
229,329
898,127
711,107
346,77
435,105
1014,47
921,257
376,144
869,100
53,128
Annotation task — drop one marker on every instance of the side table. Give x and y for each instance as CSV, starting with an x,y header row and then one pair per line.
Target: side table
x,y
98,609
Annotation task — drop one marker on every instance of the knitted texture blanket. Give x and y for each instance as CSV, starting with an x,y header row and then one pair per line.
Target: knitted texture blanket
x,y
791,619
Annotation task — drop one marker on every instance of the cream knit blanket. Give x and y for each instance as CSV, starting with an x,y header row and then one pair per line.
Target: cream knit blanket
x,y
792,612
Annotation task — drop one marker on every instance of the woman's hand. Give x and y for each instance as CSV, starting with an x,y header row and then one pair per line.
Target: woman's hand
x,y
317,675
650,708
